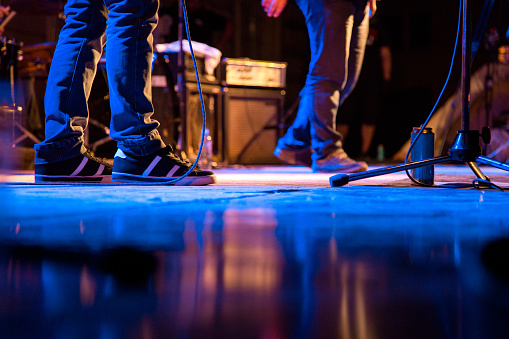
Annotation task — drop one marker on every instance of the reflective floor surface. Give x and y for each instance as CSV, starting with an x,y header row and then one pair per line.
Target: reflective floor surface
x,y
268,252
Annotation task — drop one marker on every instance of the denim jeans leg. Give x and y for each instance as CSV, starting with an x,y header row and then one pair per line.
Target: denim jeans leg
x,y
360,33
332,26
297,136
70,79
129,51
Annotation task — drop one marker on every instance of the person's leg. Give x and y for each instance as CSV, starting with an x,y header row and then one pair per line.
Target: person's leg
x,y
330,25
346,113
357,101
367,134
295,146
335,70
142,155
62,154
129,51
355,51
72,72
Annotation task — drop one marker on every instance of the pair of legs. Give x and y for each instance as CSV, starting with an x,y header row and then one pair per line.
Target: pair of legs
x,y
125,28
338,30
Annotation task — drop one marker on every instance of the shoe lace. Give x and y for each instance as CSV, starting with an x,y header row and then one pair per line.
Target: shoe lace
x,y
177,159
89,154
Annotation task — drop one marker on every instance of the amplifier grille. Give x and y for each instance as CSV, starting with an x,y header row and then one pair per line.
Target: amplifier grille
x,y
251,125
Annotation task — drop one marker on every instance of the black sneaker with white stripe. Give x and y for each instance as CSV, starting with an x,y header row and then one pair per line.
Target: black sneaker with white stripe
x,y
82,168
160,167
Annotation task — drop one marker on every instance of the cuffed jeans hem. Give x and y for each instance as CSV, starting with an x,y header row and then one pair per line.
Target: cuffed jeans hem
x,y
142,146
292,145
46,153
325,148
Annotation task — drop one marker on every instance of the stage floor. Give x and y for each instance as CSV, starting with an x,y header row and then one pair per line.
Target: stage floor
x,y
267,252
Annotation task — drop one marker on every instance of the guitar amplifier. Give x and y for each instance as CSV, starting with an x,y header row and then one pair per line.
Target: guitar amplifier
x,y
251,124
252,73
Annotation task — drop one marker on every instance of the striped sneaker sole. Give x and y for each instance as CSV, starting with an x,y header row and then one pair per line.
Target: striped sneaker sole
x,y
39,178
147,180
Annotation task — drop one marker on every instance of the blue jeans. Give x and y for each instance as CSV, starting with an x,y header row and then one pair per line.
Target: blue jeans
x,y
126,26
338,30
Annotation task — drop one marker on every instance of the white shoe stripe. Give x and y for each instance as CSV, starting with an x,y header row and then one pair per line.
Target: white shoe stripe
x,y
99,171
120,154
172,171
80,167
151,166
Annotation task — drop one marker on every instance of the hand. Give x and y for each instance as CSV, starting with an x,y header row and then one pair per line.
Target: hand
x,y
372,7
4,11
273,8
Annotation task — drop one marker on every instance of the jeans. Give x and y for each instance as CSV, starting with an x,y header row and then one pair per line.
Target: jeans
x,y
126,26
338,30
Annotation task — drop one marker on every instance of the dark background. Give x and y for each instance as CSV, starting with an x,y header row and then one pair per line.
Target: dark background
x,y
422,41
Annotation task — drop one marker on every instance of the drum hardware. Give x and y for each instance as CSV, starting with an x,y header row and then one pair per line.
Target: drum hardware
x,y
10,53
6,20
9,112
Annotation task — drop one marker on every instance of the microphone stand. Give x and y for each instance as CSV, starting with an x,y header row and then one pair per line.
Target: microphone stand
x,y
181,84
466,148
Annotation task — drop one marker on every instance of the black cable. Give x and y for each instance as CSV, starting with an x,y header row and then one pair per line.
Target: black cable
x,y
188,33
479,183
436,103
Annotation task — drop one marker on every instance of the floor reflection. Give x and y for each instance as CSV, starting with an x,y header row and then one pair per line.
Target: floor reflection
x,y
244,273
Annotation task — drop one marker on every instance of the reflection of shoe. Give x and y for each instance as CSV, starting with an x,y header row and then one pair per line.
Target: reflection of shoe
x,y
300,157
82,168
159,167
338,161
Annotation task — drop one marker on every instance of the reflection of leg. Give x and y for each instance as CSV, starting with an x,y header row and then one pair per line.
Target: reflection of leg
x,y
367,133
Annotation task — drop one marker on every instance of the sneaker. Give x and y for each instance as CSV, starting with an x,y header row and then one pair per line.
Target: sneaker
x,y
82,168
338,161
301,157
160,167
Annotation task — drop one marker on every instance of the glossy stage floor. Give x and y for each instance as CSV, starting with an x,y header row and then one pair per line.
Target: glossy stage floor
x,y
268,252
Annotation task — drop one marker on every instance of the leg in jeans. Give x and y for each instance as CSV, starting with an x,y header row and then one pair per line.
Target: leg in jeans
x,y
129,50
142,156
128,61
72,72
338,31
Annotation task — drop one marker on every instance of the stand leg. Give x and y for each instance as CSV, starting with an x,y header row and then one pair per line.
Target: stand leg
x,y
342,179
26,134
466,147
493,163
477,171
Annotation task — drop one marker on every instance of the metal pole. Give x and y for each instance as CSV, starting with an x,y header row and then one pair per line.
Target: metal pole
x,y
465,66
181,83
